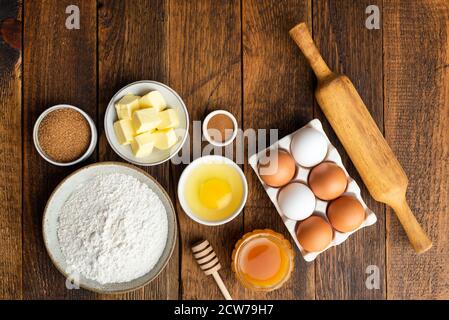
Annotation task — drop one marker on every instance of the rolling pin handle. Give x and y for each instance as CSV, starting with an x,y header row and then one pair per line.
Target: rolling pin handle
x,y
418,238
300,33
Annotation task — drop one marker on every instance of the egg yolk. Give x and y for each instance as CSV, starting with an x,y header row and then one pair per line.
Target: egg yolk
x,y
215,193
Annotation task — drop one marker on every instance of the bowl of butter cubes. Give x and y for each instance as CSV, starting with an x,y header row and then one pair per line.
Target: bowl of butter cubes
x,y
146,123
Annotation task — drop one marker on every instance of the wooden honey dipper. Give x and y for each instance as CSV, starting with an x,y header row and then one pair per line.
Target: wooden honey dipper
x,y
208,261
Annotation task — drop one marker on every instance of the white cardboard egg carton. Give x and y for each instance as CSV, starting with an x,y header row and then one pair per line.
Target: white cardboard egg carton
x,y
302,174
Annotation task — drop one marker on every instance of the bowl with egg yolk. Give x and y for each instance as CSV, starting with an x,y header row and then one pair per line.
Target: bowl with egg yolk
x,y
212,190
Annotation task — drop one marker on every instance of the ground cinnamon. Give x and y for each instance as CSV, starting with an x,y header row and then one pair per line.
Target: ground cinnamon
x,y
223,124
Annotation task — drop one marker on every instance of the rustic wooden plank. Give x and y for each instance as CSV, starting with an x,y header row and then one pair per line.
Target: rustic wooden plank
x,y
133,46
416,88
277,90
205,68
350,48
10,149
59,67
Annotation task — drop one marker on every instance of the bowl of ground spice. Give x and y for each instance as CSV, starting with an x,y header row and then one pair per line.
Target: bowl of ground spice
x,y
64,135
220,128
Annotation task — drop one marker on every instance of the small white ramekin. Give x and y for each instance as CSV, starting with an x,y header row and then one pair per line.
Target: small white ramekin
x,y
208,137
183,180
93,135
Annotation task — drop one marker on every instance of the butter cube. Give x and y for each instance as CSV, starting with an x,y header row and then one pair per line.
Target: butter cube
x,y
124,131
153,99
165,139
169,119
143,144
145,120
126,106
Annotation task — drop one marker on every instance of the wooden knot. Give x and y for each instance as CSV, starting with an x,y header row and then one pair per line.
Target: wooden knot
x,y
11,32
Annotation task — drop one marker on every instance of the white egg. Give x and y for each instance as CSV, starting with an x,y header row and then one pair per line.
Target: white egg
x,y
308,147
296,201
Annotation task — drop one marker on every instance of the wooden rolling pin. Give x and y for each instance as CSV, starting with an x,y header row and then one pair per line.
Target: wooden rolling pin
x,y
375,161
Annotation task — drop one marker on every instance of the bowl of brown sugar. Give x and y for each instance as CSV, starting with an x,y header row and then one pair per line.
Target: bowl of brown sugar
x,y
64,135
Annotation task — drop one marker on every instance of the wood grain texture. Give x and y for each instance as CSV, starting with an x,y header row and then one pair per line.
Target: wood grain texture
x,y
133,46
59,67
10,150
350,48
416,38
205,69
278,94
234,55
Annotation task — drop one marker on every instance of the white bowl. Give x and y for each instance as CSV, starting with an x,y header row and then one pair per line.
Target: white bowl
x,y
93,135
173,100
206,133
65,189
183,179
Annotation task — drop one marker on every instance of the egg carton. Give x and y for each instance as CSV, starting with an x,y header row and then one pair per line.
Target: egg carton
x,y
301,176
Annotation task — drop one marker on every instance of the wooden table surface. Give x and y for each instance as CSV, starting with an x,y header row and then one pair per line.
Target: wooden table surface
x,y
236,55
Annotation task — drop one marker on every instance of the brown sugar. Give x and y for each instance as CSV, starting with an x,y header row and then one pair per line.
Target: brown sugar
x,y
64,135
223,124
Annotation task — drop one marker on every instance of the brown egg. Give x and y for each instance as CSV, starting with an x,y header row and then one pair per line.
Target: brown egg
x,y
327,181
346,213
277,168
314,234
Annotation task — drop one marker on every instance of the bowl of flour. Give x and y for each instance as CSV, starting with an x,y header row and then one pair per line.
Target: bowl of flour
x,y
109,228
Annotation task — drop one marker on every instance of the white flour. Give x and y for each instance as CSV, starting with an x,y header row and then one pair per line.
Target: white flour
x,y
112,228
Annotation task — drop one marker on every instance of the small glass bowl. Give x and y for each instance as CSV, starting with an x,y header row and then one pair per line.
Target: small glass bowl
x,y
275,237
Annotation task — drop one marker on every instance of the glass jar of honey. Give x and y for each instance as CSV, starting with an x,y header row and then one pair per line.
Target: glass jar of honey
x,y
263,260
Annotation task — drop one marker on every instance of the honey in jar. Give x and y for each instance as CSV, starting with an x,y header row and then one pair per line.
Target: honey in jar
x,y
263,260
